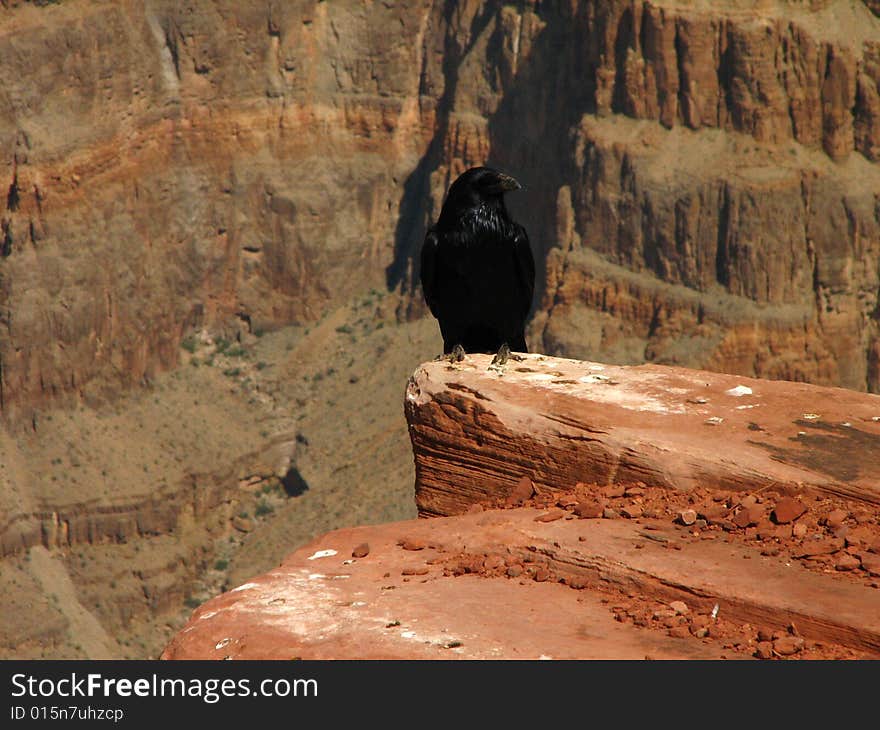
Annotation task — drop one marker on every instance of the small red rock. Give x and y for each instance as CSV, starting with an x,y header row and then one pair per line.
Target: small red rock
x,y
588,510
764,650
871,563
541,574
551,516
514,571
614,490
836,517
788,510
423,570
523,490
799,530
409,543
822,546
680,607
679,632
610,514
631,512
687,517
361,551
493,561
845,561
747,516
788,645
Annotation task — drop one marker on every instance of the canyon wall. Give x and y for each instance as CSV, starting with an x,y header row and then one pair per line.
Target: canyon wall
x,y
170,165
699,178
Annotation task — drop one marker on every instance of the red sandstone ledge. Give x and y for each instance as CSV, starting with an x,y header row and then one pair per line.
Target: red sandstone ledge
x,y
476,431
654,524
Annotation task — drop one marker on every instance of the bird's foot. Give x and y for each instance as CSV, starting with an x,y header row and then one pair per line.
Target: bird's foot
x,y
456,355
502,355
499,362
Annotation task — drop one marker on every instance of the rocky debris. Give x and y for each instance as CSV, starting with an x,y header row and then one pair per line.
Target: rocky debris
x,y
502,557
787,510
361,550
410,543
788,645
680,607
589,510
870,562
579,421
687,516
836,518
522,490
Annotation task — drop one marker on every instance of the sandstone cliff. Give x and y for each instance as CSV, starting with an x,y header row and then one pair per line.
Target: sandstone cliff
x,y
636,511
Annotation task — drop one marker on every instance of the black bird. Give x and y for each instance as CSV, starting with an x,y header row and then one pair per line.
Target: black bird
x,y
478,273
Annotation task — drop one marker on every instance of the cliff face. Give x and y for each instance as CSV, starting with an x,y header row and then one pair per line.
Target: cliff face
x,y
171,164
242,165
721,149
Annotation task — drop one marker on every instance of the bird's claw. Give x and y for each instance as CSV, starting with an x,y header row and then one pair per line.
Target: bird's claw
x,y
499,362
455,355
502,355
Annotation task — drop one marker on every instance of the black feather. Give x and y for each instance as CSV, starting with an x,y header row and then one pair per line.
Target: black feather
x,y
477,268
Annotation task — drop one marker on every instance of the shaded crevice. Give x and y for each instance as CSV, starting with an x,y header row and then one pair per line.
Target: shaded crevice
x,y
622,44
5,238
722,253
172,45
13,196
415,201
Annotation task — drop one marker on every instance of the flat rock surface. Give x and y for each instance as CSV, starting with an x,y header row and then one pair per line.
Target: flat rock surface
x,y
499,584
477,431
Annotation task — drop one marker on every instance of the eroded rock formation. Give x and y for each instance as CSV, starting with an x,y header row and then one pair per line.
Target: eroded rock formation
x,y
635,510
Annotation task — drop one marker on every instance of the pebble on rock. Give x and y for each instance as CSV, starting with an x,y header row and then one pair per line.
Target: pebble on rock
x,y
409,543
788,645
687,517
588,510
361,551
523,490
788,510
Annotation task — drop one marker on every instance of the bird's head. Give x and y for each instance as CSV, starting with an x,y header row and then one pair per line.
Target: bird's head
x,y
479,185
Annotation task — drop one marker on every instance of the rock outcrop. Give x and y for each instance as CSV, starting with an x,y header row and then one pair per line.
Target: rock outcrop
x,y
614,503
477,431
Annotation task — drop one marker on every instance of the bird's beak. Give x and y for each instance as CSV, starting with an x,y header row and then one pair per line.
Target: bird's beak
x,y
506,183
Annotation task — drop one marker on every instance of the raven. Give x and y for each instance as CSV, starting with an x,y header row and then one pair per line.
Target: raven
x,y
478,273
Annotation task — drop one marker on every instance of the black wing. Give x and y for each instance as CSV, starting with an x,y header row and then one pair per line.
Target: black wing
x,y
429,270
525,268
